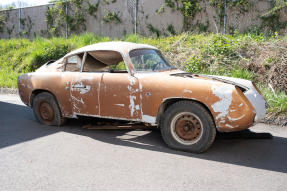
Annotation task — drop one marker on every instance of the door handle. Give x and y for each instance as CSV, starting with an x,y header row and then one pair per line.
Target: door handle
x,y
79,86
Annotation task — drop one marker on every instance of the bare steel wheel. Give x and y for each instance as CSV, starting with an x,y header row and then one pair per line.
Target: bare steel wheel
x,y
46,109
188,126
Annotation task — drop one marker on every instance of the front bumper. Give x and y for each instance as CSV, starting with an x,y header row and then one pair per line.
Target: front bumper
x,y
258,102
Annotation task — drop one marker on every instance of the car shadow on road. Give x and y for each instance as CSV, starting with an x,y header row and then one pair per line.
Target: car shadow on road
x,y
17,124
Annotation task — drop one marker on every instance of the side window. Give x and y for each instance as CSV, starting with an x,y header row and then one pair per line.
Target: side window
x,y
104,61
94,65
120,67
73,63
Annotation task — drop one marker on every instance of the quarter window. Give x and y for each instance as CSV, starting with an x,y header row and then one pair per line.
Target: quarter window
x,y
73,63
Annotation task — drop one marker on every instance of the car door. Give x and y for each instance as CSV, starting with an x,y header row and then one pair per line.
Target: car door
x,y
120,96
85,87
71,69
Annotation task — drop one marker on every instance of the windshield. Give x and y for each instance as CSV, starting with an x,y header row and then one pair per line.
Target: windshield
x,y
148,60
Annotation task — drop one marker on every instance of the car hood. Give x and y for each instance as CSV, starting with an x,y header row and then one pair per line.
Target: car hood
x,y
241,83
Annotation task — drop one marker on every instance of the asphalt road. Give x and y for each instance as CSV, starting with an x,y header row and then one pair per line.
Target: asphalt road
x,y
38,157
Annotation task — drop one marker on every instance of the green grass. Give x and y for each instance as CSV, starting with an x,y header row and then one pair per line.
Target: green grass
x,y
277,100
199,53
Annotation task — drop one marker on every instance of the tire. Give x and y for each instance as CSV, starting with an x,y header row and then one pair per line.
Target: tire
x,y
46,110
188,126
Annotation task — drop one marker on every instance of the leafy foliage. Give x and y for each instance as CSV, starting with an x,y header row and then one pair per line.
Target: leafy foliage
x,y
153,30
75,17
2,23
111,16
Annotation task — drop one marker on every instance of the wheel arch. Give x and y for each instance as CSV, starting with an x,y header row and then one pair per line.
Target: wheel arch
x,y
169,101
38,91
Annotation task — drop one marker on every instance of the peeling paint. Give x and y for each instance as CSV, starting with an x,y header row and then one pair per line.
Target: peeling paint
x,y
187,91
224,93
227,125
121,105
235,119
132,105
85,90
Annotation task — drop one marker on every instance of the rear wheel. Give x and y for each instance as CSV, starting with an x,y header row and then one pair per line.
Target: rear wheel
x,y
188,126
46,109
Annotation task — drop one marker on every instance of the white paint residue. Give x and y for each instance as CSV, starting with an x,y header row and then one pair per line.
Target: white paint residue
x,y
137,107
132,80
187,91
227,125
85,90
148,119
121,105
140,88
240,105
132,105
224,93
77,100
256,99
76,108
235,119
80,87
258,103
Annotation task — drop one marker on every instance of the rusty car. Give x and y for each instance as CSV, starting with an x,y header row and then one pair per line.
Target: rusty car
x,y
135,82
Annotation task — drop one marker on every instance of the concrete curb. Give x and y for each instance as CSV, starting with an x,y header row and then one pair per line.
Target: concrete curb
x,y
8,91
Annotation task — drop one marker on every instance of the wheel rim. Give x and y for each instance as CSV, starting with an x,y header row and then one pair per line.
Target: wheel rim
x,y
46,112
186,128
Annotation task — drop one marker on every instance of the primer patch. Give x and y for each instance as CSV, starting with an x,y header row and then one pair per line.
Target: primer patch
x,y
224,93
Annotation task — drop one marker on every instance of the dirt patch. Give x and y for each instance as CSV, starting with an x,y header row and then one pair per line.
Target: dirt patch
x,y
276,120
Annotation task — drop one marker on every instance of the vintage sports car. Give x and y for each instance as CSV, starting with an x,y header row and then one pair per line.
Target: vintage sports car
x,y
134,82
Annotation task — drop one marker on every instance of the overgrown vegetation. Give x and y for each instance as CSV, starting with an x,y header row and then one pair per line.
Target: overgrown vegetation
x,y
111,16
2,23
254,57
190,8
71,14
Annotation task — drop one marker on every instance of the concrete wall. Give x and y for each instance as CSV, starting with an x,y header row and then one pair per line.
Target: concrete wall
x,y
34,19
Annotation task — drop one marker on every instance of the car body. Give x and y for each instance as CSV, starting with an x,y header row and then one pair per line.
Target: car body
x,y
87,82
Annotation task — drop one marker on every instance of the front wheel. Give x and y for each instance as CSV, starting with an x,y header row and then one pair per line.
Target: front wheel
x,y
188,126
46,109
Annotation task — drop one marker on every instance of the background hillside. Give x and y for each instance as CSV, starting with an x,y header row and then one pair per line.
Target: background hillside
x,y
254,57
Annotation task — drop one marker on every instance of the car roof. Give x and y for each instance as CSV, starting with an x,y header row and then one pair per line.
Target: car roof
x,y
118,46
